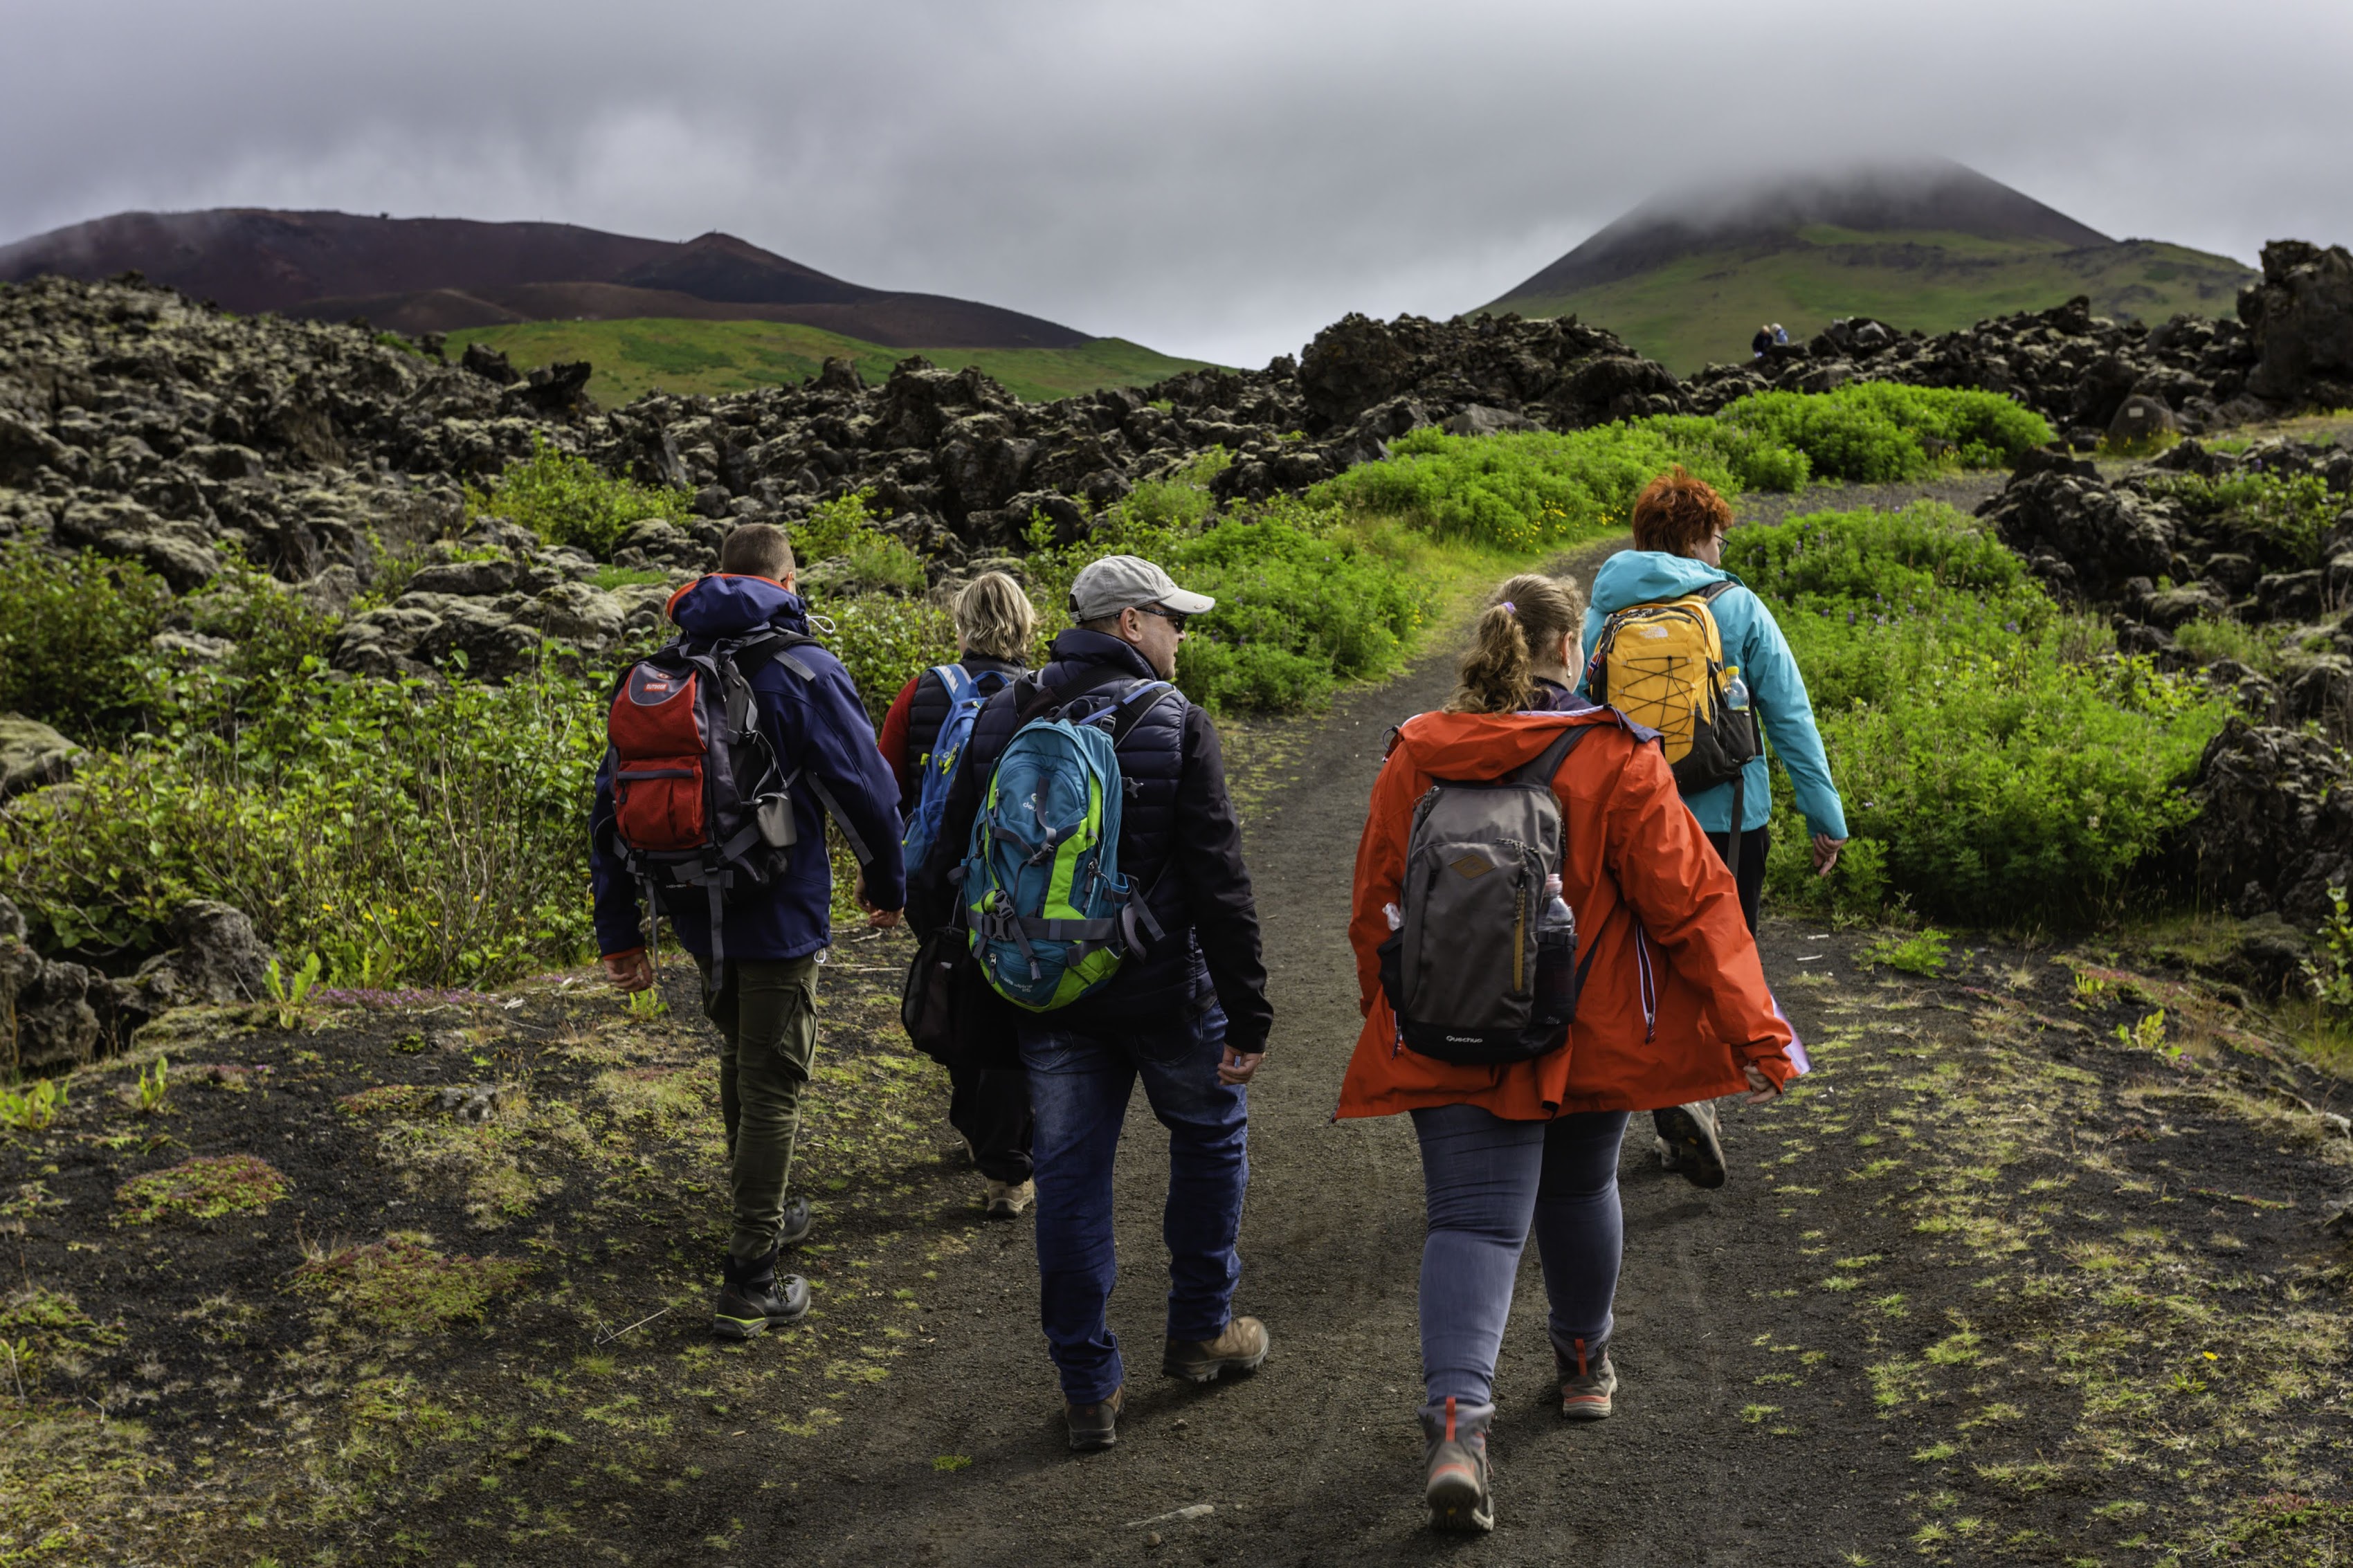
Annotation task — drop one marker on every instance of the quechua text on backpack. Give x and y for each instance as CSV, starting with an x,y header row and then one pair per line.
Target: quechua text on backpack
x,y
699,798
1461,971
967,695
1049,914
1662,665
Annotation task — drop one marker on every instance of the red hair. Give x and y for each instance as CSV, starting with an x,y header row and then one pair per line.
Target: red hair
x,y
1676,511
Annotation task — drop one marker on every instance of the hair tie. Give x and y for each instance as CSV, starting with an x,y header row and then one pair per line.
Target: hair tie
x,y
1509,608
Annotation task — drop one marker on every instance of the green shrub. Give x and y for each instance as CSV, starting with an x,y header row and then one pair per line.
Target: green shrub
x,y
2212,640
74,631
2291,512
1521,493
434,833
1877,432
1921,952
884,642
569,501
1994,767
841,546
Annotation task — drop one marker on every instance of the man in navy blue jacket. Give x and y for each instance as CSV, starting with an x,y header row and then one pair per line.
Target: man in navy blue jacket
x,y
766,1004
1189,1017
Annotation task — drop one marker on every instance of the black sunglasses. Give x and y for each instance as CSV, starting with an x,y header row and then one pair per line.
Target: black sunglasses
x,y
1175,619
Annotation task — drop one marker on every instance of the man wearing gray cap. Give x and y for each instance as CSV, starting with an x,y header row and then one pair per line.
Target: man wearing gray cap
x,y
1188,1014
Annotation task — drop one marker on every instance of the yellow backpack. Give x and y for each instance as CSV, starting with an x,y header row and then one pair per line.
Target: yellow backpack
x,y
1662,665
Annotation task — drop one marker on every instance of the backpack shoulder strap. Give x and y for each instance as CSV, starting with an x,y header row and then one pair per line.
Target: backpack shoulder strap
x,y
1129,713
1721,586
774,647
955,679
1548,762
1036,698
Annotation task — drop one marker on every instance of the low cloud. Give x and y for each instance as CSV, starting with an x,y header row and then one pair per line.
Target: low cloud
x,y
1216,179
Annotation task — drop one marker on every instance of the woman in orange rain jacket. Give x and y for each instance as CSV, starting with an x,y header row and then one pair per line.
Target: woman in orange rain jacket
x,y
1674,1008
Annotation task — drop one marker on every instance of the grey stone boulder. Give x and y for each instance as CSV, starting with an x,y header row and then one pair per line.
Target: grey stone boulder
x,y
2233,574
2301,315
2105,536
47,1023
465,579
215,957
32,755
2288,595
2140,417
1480,420
2173,608
2276,821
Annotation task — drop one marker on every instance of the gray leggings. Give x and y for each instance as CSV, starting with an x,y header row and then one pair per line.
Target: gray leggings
x,y
1488,1181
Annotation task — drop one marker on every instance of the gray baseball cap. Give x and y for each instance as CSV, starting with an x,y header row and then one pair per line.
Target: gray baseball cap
x,y
1117,583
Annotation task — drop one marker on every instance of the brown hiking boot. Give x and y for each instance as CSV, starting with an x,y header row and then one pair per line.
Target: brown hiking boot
x,y
1587,1379
1094,1426
1008,1199
1240,1348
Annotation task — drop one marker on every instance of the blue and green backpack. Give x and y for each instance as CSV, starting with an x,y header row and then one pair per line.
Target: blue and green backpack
x,y
1050,916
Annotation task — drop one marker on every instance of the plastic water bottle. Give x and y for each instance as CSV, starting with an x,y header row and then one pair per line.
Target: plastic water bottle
x,y
1735,692
1555,998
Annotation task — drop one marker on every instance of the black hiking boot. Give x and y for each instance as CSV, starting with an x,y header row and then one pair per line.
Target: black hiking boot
x,y
1587,1379
1094,1426
1239,1347
753,1299
1688,1143
798,1221
1455,1459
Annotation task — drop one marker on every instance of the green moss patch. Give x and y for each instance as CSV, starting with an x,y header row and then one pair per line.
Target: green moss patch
x,y
402,1282
206,1187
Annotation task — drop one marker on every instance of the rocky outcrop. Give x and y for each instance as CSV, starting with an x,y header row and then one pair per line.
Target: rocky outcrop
x,y
2301,316
2086,538
2275,828
32,754
55,1016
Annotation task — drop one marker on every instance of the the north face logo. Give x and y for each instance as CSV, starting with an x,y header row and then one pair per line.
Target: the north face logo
x,y
1472,867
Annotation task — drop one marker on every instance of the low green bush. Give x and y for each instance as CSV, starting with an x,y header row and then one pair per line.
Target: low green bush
x,y
2293,512
1533,490
74,634
569,501
1878,431
2212,639
1995,765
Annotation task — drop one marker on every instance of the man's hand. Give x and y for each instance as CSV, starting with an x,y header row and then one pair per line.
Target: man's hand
x,y
1762,1091
878,918
1237,1067
1826,853
630,971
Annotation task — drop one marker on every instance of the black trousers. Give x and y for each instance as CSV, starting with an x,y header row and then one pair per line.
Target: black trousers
x,y
1751,878
991,1107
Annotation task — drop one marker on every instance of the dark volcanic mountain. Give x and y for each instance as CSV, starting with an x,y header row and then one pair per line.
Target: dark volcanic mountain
x,y
1925,243
441,274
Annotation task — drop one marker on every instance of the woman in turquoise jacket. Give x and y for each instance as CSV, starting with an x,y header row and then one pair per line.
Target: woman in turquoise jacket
x,y
1679,526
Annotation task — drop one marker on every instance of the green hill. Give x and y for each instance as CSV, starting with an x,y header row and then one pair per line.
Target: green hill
x,y
634,357
1935,247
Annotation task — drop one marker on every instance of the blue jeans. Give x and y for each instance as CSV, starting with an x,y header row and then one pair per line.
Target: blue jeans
x,y
1078,1090
1489,1182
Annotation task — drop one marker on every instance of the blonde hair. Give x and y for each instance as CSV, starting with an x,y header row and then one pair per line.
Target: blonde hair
x,y
1526,614
995,618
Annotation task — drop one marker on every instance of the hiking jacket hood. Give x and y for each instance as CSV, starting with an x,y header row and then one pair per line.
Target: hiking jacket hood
x,y
1674,1000
817,726
1753,640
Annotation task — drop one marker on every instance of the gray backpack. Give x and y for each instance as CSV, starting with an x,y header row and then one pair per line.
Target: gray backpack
x,y
1461,972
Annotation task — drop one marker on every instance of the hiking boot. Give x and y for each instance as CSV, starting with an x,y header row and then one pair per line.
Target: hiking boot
x,y
1008,1199
1587,1379
1094,1426
1455,1459
1240,1348
1690,1132
798,1221
754,1299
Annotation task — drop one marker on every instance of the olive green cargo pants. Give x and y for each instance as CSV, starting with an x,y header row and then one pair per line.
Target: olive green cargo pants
x,y
766,1017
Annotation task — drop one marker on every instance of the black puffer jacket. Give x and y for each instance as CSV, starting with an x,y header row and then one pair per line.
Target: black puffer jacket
x,y
1176,819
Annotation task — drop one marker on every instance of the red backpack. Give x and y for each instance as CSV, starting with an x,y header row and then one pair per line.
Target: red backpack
x,y
700,797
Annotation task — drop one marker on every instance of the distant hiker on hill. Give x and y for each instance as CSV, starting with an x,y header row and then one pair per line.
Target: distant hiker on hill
x,y
1698,649
1537,961
1779,336
1760,342
1153,973
730,837
923,736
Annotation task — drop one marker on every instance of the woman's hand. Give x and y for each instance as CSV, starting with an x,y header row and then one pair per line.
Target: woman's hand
x,y
1762,1091
1826,853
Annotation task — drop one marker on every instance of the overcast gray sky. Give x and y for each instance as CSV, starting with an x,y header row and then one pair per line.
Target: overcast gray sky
x,y
1209,178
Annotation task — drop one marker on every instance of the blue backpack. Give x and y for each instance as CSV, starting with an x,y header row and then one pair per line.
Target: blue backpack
x,y
967,697
1050,916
